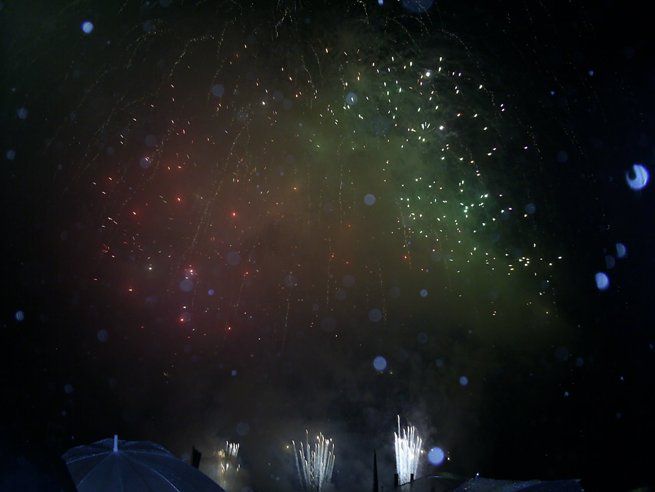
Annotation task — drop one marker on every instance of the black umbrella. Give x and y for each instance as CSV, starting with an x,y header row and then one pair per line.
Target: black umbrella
x,y
133,466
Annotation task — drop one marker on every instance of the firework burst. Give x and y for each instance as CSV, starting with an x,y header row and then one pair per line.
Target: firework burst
x,y
246,182
315,462
228,464
407,443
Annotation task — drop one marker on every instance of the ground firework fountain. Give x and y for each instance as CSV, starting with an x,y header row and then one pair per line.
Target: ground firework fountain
x,y
314,462
228,465
408,449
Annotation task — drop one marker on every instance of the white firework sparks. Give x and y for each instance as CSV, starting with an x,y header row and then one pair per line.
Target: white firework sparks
x,y
314,462
408,449
227,461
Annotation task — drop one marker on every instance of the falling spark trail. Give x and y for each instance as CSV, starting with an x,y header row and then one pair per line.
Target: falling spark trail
x,y
408,449
314,463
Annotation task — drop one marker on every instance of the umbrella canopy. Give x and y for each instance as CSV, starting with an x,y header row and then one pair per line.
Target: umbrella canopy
x,y
443,483
133,466
487,485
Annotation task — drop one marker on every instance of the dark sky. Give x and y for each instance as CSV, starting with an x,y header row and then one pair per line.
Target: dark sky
x,y
239,220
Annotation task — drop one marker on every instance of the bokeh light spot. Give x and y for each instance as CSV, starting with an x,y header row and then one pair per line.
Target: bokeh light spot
x,y
380,363
621,250
218,90
602,281
637,177
186,285
351,99
375,315
233,258
369,199
87,27
610,262
436,456
145,162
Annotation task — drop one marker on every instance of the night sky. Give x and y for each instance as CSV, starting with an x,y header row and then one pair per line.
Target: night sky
x,y
230,220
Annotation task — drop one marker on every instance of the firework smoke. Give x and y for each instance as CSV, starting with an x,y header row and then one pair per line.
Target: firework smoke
x,y
314,463
408,449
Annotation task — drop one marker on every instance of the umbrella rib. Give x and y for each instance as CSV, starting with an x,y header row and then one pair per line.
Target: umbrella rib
x,y
131,463
152,470
86,475
75,460
150,453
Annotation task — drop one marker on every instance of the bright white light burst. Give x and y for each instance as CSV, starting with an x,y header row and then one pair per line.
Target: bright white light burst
x,y
228,464
314,462
408,450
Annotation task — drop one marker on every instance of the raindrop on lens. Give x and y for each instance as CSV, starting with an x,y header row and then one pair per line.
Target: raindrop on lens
x,y
218,90
186,285
610,262
621,250
637,177
436,456
602,281
87,27
375,315
380,363
233,258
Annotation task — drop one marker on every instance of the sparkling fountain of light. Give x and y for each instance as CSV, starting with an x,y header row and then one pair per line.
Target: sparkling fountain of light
x,y
408,445
314,462
228,464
